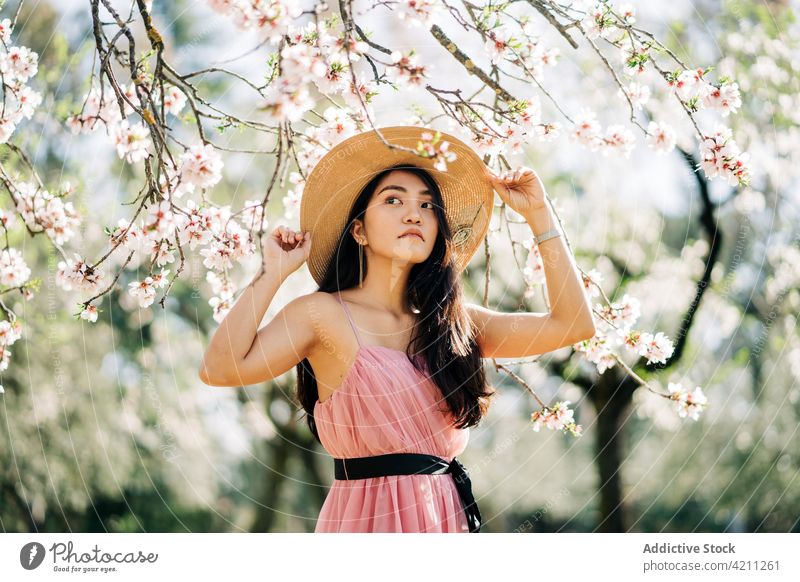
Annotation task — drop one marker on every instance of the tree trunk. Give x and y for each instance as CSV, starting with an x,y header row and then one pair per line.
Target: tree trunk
x,y
611,399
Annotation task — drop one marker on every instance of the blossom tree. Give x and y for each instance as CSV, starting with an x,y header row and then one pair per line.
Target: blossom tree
x,y
323,72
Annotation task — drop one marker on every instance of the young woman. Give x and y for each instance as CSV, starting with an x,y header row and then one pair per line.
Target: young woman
x,y
387,352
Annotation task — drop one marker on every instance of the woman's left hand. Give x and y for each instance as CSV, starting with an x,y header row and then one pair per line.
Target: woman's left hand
x,y
521,189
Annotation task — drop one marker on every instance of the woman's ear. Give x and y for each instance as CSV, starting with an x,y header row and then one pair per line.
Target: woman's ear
x,y
358,231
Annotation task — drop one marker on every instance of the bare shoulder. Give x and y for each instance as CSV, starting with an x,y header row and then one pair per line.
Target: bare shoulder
x,y
311,310
320,311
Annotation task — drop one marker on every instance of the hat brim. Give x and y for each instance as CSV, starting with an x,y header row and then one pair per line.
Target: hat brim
x,y
339,177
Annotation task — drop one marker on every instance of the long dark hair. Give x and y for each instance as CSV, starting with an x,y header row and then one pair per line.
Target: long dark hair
x,y
444,337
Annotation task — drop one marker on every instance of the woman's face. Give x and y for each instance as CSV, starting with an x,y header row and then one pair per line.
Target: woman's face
x,y
401,201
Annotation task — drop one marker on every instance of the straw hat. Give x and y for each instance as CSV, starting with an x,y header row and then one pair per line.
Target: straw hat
x,y
338,178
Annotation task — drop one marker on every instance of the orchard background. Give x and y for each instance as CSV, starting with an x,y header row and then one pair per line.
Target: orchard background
x,y
147,147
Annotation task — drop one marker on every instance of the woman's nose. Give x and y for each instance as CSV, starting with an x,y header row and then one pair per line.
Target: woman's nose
x,y
413,214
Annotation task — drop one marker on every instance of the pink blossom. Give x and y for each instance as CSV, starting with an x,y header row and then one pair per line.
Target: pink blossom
x,y
201,166
13,270
10,332
196,229
498,45
5,30
618,139
77,273
418,13
431,147
690,84
174,100
90,313
217,255
587,129
406,70
687,403
18,64
162,253
638,93
95,110
58,219
286,105
720,156
144,291
559,417
726,98
131,141
660,137
160,221
656,348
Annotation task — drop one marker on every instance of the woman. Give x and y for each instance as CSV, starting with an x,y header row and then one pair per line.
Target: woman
x,y
388,354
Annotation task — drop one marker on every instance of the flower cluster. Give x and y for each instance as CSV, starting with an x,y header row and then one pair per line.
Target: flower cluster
x,y
46,212
13,270
615,329
687,403
600,21
693,88
100,107
132,139
690,86
10,332
559,417
499,45
201,167
418,13
222,300
79,275
638,93
310,56
532,54
41,211
432,146
616,139
406,70
660,137
720,156
17,65
270,18
145,290
521,124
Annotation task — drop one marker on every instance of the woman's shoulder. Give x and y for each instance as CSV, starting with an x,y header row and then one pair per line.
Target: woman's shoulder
x,y
310,308
316,300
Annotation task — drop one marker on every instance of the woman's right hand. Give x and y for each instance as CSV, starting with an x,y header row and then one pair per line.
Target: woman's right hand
x,y
286,249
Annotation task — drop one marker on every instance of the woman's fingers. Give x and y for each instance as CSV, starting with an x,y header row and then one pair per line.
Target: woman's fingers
x,y
291,237
509,176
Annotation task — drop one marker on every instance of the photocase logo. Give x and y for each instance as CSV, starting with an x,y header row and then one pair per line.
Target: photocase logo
x,y
31,555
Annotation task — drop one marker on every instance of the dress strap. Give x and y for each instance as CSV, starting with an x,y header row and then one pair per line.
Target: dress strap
x,y
350,319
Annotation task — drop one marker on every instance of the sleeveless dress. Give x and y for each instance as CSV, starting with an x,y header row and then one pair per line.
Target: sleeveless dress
x,y
385,405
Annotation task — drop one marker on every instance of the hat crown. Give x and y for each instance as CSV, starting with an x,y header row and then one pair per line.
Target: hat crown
x,y
339,177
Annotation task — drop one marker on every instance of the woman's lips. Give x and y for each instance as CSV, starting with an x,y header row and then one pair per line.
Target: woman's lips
x,y
411,234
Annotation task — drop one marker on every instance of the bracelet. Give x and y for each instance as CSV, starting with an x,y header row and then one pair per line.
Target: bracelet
x,y
552,233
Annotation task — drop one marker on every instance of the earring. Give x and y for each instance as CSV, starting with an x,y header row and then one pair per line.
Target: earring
x,y
360,265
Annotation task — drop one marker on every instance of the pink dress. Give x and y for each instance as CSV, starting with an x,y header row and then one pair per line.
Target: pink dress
x,y
385,405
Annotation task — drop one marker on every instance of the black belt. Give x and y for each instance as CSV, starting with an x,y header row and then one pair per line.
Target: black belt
x,y
413,464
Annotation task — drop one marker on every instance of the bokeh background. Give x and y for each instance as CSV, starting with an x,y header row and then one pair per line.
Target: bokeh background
x,y
106,427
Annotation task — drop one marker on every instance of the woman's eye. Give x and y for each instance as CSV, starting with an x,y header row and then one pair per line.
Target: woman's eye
x,y
396,198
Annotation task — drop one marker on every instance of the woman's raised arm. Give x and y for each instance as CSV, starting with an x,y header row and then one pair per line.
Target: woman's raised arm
x,y
238,353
